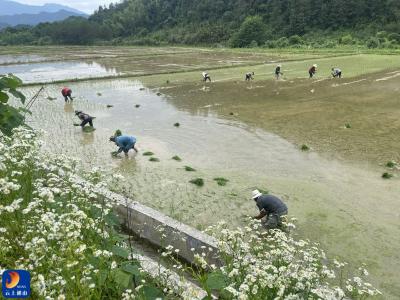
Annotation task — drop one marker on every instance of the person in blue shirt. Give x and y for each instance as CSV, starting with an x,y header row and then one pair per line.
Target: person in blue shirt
x,y
125,143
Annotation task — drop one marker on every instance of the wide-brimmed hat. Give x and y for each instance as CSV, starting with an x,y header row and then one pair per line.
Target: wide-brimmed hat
x,y
77,112
255,194
315,65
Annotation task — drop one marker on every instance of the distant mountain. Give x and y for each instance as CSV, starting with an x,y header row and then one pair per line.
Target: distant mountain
x,y
8,7
33,19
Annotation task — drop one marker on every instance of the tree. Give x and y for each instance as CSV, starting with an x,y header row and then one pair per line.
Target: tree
x,y
252,29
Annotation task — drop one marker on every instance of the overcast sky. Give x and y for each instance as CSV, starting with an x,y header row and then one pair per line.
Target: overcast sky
x,y
87,6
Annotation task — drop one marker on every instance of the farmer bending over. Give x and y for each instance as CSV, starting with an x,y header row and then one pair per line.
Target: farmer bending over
x,y
206,77
336,73
278,72
270,207
85,118
67,92
125,143
312,71
249,76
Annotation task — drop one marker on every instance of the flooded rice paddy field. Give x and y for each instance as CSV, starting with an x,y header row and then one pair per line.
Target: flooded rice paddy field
x,y
335,190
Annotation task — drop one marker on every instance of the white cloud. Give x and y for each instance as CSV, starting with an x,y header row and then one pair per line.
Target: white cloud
x,y
87,6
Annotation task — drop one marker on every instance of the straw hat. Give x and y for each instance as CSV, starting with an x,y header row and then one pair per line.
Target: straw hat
x,y
315,65
256,194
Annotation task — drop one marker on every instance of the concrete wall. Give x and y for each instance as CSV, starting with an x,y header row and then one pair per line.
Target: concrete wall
x,y
162,230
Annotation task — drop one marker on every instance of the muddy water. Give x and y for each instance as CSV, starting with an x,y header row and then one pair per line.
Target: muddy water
x,y
53,71
346,206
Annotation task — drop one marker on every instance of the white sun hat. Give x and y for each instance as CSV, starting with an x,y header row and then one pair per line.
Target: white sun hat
x,y
256,194
315,65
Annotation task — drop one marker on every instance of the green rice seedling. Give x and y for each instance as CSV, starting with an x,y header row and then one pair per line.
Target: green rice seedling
x,y
167,81
148,153
198,181
88,129
189,169
118,132
77,124
231,114
347,125
51,98
304,147
137,105
99,94
221,181
109,105
387,175
177,158
154,159
391,164
159,94
177,124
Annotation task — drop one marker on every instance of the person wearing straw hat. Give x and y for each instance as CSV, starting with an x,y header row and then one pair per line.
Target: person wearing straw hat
x,y
278,72
336,73
206,77
272,209
312,70
249,76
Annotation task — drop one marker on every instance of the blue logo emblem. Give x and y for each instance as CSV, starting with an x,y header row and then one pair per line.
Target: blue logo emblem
x,y
16,284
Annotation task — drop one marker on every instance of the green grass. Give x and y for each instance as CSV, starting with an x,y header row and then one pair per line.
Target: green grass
x,y
221,181
177,158
148,153
189,169
198,181
154,159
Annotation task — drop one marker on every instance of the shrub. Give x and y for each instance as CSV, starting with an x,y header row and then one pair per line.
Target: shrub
x,y
347,40
394,37
295,40
372,43
10,117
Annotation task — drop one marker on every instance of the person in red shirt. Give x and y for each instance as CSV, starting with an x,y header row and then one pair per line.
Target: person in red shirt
x,y
312,71
67,92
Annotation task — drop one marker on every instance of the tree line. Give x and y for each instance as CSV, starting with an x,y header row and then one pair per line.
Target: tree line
x,y
237,23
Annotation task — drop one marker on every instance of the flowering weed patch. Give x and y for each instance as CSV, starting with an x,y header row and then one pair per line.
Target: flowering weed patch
x,y
273,265
61,230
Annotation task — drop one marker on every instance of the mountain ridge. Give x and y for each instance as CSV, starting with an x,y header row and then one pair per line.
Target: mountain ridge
x,y
8,8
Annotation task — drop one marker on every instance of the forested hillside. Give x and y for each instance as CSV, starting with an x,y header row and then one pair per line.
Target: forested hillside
x,y
238,23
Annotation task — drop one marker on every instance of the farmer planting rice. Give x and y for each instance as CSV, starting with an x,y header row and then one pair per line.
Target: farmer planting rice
x,y
272,209
312,71
85,118
206,77
336,73
249,76
278,72
125,143
67,92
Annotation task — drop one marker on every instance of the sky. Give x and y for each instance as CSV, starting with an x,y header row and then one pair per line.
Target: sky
x,y
87,6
